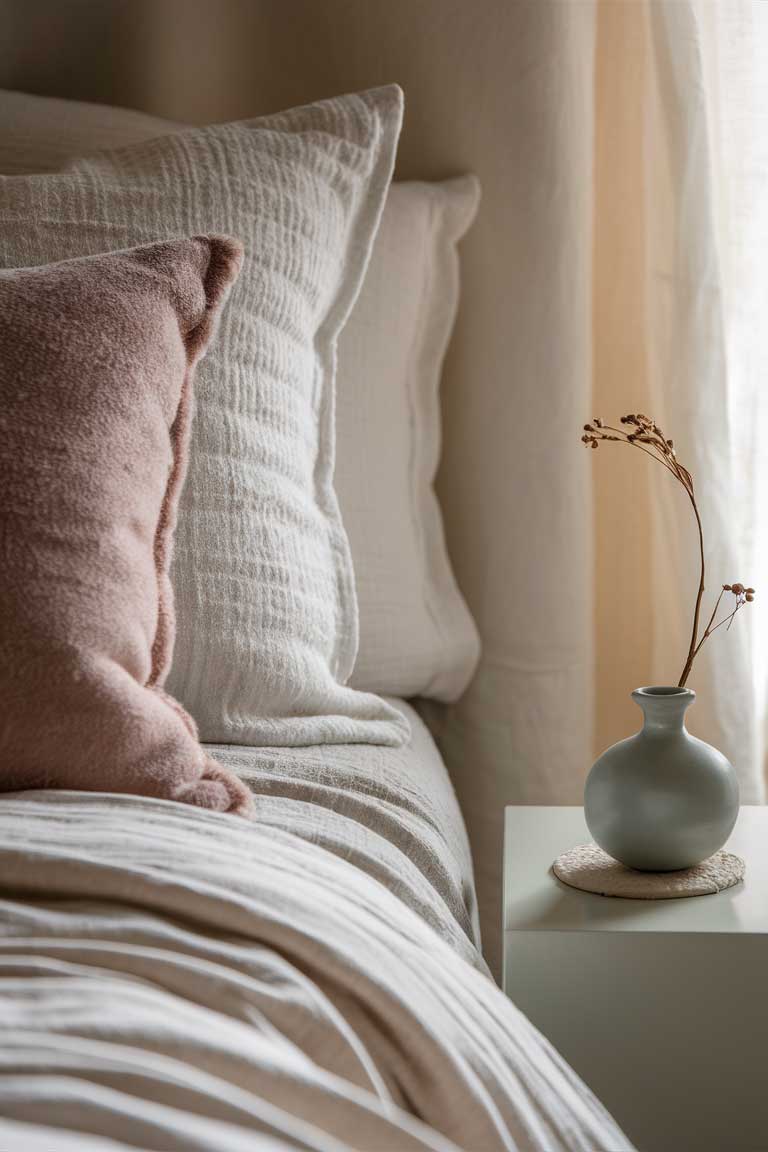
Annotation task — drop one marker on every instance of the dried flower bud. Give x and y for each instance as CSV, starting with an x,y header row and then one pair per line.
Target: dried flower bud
x,y
749,591
597,422
748,596
737,589
726,588
594,443
588,428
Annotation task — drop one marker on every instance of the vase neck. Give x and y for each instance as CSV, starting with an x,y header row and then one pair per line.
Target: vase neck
x,y
663,708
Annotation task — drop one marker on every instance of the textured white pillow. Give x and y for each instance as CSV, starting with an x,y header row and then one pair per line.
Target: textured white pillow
x,y
416,634
266,610
42,134
417,637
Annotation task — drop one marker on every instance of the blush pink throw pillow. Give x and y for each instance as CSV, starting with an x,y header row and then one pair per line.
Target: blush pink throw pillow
x,y
96,363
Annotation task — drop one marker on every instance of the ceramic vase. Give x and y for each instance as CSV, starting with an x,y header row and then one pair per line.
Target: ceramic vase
x,y
662,799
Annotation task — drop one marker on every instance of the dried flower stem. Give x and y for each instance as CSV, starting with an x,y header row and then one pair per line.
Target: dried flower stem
x,y
695,645
648,437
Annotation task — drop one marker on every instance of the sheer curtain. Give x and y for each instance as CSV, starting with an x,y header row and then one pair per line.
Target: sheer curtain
x,y
691,313
708,282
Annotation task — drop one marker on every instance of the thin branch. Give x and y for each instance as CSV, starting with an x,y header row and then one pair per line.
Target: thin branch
x,y
709,629
649,438
728,620
711,620
699,596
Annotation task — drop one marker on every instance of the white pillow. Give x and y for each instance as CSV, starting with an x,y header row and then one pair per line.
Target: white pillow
x,y
263,579
42,134
417,637
416,634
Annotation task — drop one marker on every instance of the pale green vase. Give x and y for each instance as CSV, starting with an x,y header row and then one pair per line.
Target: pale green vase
x,y
662,799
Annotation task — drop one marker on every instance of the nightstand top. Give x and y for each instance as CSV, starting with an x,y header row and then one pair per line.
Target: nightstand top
x,y
536,901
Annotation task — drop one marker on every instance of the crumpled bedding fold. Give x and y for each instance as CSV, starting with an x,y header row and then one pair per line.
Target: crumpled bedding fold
x,y
172,978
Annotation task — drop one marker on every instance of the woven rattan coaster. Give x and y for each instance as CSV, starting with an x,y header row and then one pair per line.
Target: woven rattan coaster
x,y
592,870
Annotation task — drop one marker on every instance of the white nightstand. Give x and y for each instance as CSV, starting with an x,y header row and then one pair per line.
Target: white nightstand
x,y
661,1006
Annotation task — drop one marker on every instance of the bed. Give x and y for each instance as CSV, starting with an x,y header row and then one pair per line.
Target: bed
x,y
170,981
302,968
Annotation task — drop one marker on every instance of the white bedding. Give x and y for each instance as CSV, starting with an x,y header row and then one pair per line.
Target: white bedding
x,y
391,811
177,979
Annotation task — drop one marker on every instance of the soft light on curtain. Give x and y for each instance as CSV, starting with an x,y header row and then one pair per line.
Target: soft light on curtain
x,y
686,319
708,281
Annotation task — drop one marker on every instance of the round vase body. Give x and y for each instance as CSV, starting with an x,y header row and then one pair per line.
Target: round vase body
x,y
662,799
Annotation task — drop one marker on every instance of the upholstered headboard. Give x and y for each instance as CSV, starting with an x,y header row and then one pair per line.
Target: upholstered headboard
x,y
485,86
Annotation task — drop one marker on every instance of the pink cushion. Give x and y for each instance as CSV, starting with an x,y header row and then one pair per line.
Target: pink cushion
x,y
96,364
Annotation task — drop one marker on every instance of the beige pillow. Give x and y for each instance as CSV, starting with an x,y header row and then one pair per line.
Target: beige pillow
x,y
417,637
263,579
416,634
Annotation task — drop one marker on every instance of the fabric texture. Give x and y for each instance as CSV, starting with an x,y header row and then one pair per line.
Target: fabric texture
x,y
415,841
96,364
263,577
417,637
169,979
42,134
707,289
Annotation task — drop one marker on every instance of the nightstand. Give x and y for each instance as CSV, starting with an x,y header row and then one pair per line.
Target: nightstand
x,y
660,1006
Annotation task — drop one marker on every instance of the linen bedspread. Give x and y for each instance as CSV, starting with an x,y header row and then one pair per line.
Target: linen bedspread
x,y
172,978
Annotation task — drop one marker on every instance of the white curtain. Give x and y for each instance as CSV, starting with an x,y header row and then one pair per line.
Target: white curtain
x,y
708,280
680,291
707,283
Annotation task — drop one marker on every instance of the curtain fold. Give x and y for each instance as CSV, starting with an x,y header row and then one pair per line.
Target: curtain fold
x,y
679,299
705,142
